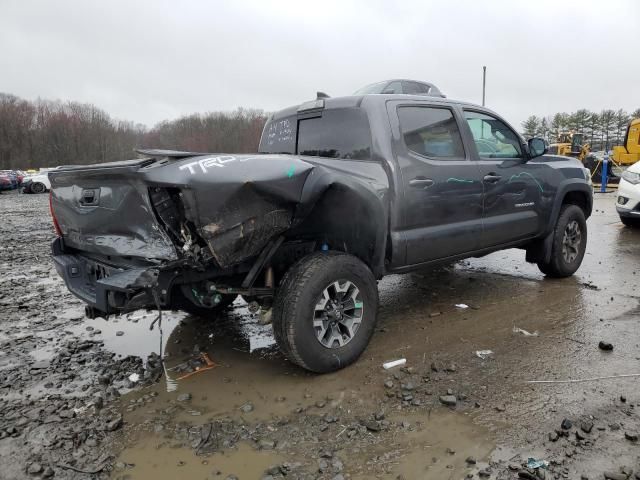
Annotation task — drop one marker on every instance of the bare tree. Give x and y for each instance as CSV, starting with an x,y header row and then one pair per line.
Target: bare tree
x,y
46,133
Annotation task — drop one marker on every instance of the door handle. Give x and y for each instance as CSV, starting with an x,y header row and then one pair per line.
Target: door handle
x,y
421,182
492,178
90,197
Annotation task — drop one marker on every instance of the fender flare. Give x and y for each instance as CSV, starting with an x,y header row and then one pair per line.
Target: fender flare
x,y
370,195
567,186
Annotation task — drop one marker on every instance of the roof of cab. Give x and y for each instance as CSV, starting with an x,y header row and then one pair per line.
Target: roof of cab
x,y
356,100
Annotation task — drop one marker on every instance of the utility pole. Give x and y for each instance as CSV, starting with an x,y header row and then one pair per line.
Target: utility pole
x,y
484,82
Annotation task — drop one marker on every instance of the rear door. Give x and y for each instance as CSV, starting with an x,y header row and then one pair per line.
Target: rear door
x,y
514,189
440,191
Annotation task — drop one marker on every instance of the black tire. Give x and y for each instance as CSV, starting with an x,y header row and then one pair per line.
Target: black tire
x,y
38,187
630,222
565,263
180,302
294,310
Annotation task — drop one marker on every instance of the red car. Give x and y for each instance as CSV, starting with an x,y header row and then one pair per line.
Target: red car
x,y
7,180
21,176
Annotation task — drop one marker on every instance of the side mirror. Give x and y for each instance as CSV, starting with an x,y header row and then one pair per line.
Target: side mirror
x,y
537,147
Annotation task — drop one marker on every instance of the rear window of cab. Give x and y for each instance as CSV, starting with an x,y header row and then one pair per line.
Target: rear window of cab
x,y
334,133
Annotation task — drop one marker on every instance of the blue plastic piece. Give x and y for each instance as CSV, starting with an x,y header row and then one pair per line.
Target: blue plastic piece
x,y
324,247
605,173
535,463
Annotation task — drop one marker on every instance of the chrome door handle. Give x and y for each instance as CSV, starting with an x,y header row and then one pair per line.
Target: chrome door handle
x,y
492,178
421,182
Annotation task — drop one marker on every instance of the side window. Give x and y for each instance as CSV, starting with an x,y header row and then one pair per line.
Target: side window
x,y
432,132
340,133
492,137
279,136
393,87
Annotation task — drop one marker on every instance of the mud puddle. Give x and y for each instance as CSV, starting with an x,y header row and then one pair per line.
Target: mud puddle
x,y
155,458
131,334
438,445
441,445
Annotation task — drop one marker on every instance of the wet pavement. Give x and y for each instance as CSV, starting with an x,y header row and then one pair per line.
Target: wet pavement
x,y
65,380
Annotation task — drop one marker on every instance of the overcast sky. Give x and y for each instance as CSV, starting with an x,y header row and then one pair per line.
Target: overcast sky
x,y
150,60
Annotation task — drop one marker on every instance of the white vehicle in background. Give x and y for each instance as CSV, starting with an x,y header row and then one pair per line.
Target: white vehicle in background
x,y
628,196
38,183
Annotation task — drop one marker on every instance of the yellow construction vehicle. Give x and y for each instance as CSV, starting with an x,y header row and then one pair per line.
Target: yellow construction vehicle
x,y
570,144
628,153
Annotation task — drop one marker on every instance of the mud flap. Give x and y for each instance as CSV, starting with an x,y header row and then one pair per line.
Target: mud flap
x,y
540,250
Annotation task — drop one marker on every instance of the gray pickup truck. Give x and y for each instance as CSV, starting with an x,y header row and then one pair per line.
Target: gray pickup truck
x,y
342,192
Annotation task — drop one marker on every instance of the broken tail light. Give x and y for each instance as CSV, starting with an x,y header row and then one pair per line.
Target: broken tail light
x,y
168,209
56,227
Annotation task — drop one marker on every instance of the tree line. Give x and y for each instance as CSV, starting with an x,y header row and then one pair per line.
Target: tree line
x,y
45,133
601,130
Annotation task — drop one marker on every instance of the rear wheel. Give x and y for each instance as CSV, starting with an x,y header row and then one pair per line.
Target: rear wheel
x,y
38,187
325,311
568,244
630,222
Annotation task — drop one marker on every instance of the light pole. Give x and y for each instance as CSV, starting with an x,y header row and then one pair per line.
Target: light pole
x,y
484,82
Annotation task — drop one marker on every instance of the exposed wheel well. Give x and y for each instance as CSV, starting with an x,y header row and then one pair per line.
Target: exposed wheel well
x,y
581,199
343,221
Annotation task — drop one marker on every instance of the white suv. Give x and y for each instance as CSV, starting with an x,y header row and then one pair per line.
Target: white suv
x,y
628,196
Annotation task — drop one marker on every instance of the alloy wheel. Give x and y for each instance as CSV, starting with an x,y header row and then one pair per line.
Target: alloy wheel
x,y
338,314
571,241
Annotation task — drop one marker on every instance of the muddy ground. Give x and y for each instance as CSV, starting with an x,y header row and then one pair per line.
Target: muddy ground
x,y
68,408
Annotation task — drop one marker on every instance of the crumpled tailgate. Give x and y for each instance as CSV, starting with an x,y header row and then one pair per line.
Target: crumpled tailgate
x,y
106,210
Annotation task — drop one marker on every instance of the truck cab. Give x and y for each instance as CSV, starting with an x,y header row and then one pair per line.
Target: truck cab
x,y
463,182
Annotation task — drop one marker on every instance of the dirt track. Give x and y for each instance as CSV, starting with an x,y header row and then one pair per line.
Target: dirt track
x,y
64,406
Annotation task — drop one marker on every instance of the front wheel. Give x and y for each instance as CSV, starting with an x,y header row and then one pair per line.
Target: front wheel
x,y
38,187
630,222
325,311
568,244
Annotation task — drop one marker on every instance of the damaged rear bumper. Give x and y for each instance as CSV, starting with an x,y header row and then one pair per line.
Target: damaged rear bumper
x,y
104,288
108,289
